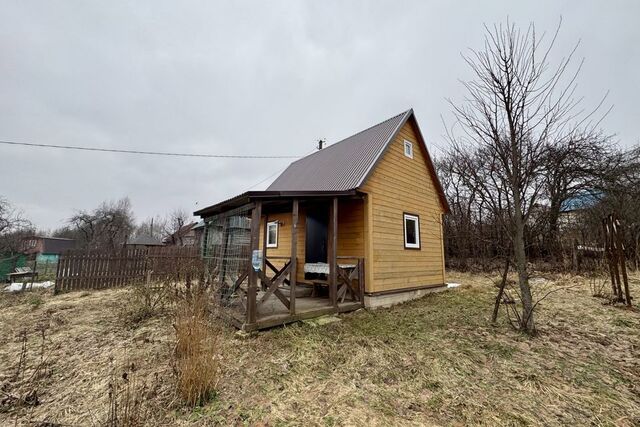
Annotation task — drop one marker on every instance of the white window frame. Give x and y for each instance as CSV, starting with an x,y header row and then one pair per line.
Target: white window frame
x,y
269,225
415,218
409,145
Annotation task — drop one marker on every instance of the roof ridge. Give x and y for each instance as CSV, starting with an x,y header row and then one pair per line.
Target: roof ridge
x,y
355,134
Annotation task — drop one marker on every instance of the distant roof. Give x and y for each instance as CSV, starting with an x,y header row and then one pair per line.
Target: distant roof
x,y
144,241
341,167
583,200
185,229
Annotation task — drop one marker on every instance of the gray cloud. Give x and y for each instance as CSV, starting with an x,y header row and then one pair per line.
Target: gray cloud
x,y
249,78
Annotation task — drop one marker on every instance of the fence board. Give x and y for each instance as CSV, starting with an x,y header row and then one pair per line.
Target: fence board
x,y
97,269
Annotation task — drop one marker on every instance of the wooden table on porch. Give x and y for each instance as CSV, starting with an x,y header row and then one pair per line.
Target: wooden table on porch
x,y
345,272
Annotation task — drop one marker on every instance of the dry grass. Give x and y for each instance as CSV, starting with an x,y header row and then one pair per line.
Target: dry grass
x,y
85,341
436,361
197,358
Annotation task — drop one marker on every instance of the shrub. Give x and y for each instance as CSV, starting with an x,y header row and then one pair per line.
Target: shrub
x,y
146,301
35,300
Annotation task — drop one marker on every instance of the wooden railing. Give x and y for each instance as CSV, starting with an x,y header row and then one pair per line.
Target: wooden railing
x,y
351,280
271,285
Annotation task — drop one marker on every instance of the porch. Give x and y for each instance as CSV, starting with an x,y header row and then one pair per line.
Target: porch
x,y
280,258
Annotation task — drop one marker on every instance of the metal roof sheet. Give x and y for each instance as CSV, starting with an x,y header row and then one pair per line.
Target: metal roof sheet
x,y
144,240
343,165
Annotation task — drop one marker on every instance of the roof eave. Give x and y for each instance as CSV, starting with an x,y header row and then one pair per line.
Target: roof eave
x,y
252,196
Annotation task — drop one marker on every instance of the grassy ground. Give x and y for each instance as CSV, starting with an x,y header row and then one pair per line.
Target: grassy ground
x,y
436,361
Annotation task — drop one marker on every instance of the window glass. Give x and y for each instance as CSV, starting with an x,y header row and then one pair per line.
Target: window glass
x,y
408,149
411,231
272,234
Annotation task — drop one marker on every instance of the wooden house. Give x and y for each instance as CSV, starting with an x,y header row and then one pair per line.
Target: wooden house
x,y
46,249
187,235
356,224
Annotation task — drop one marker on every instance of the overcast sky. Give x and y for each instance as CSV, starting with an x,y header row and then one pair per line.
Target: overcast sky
x,y
250,78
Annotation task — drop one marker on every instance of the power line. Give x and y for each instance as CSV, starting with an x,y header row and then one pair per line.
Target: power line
x,y
152,153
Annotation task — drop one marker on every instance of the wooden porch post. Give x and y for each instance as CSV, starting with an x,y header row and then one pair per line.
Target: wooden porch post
x,y
264,247
333,252
294,260
253,276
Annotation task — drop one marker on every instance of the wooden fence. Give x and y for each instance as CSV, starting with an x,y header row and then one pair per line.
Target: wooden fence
x,y
100,269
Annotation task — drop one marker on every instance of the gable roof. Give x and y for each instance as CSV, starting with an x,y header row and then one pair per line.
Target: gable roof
x,y
343,165
339,169
346,165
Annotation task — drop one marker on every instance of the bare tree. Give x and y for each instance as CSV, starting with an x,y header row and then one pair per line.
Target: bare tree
x,y
618,187
517,107
572,168
13,227
106,227
154,227
174,224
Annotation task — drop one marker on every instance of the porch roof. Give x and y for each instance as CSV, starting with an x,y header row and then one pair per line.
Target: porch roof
x,y
251,196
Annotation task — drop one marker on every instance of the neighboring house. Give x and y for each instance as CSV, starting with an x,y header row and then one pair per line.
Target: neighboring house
x,y
187,235
144,241
572,208
367,209
46,249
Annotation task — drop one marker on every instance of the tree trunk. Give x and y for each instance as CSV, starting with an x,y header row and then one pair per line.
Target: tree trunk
x,y
521,267
553,241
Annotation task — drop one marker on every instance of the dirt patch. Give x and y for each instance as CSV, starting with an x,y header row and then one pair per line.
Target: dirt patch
x,y
436,361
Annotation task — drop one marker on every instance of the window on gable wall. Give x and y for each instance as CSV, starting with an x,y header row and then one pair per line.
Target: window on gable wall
x,y
411,231
272,234
408,149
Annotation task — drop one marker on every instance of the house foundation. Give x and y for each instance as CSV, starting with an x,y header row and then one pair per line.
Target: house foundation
x,y
383,300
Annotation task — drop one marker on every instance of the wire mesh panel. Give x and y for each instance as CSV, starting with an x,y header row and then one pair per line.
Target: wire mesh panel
x,y
227,252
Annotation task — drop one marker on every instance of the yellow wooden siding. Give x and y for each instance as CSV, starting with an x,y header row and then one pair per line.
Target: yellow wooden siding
x,y
398,185
284,239
351,228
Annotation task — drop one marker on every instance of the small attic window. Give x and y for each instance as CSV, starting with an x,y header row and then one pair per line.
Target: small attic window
x,y
408,149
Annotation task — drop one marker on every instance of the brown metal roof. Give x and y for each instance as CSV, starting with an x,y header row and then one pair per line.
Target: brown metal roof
x,y
343,165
